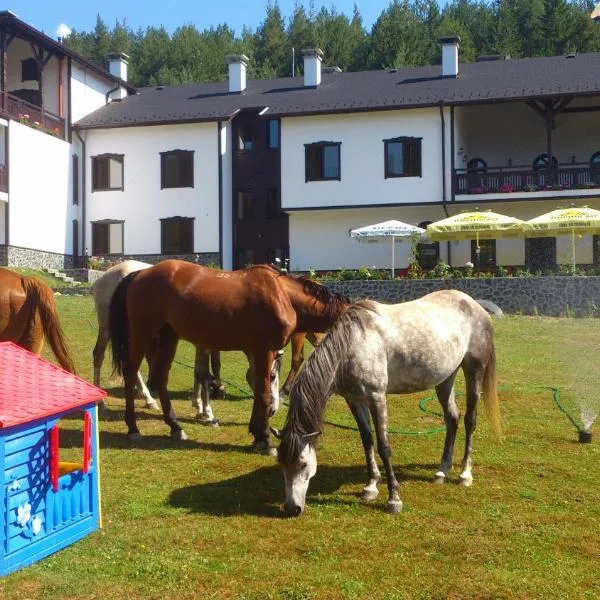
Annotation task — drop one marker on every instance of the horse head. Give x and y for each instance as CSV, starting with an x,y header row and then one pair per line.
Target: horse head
x,y
298,461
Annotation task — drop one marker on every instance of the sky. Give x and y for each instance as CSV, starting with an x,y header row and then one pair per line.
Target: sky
x,y
48,15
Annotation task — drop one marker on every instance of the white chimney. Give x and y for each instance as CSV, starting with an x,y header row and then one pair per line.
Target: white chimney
x,y
237,72
117,64
450,47
312,67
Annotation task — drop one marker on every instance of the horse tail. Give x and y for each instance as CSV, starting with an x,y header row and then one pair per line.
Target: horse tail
x,y
118,323
42,299
490,393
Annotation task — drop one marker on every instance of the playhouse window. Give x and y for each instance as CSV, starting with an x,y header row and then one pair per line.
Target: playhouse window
x,y
70,449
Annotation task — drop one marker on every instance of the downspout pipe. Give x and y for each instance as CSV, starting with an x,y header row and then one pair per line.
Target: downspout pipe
x,y
83,194
220,152
444,186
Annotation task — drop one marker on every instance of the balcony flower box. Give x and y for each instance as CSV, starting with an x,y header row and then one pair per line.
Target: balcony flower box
x,y
505,188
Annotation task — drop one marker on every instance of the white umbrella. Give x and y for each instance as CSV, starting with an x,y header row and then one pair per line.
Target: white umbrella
x,y
386,230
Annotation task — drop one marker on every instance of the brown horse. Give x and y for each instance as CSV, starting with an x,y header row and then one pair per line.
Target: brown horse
x,y
28,313
255,310
297,349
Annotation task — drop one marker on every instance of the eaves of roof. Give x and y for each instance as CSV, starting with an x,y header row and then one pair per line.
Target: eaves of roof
x,y
11,23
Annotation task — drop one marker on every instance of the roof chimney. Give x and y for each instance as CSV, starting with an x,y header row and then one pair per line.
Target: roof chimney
x,y
450,45
237,72
117,64
312,67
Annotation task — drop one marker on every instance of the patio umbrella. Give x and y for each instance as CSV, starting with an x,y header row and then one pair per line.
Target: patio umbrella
x,y
565,221
388,230
478,225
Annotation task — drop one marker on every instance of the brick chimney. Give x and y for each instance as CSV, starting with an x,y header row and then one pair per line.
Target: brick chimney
x,y
312,67
450,45
237,72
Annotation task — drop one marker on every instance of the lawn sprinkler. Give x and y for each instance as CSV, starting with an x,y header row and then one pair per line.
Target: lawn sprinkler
x,y
588,416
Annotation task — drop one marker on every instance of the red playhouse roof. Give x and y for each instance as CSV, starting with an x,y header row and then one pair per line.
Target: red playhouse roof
x,y
32,388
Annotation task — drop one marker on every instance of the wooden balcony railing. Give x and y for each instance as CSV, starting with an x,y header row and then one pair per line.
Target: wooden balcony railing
x,y
570,176
32,115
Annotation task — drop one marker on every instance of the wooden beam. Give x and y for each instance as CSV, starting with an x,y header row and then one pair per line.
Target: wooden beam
x,y
536,107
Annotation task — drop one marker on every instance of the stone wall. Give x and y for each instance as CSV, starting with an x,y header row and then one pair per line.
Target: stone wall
x,y
552,296
13,256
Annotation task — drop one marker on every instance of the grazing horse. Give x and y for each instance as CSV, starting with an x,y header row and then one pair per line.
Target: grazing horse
x,y
102,292
28,313
297,349
374,349
255,310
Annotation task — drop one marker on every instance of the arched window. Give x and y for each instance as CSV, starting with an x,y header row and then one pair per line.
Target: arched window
x,y
541,162
595,167
428,253
477,165
476,175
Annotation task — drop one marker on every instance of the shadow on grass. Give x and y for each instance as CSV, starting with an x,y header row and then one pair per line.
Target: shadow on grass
x,y
119,441
260,492
118,392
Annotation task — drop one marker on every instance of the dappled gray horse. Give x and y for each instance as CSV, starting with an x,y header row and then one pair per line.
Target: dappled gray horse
x,y
374,349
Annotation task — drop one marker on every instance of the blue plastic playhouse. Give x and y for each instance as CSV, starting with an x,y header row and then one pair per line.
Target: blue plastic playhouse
x,y
45,503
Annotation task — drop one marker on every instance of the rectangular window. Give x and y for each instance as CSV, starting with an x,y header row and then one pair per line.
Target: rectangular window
x,y
107,172
177,235
273,133
402,157
245,208
75,167
486,260
177,169
322,161
107,237
272,209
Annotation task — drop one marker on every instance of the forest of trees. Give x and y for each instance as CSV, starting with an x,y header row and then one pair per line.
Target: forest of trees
x,y
405,34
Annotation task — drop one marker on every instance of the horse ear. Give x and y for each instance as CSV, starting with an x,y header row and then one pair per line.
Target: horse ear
x,y
275,432
310,436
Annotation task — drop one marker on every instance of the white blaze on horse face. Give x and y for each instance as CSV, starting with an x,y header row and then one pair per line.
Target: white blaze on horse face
x,y
297,478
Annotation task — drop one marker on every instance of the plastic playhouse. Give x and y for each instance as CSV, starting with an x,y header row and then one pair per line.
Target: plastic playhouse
x,y
45,503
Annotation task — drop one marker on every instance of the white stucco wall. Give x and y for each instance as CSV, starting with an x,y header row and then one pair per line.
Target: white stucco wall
x,y
497,133
88,92
361,159
227,190
321,239
142,203
40,205
3,206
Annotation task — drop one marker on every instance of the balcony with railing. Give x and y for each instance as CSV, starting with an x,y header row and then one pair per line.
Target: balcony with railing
x,y
569,179
34,116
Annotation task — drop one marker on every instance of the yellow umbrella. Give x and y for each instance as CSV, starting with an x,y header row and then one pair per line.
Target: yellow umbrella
x,y
484,225
565,221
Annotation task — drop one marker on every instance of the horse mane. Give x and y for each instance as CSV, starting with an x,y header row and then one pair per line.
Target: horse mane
x,y
316,382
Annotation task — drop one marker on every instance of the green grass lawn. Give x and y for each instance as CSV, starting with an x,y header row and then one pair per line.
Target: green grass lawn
x,y
203,518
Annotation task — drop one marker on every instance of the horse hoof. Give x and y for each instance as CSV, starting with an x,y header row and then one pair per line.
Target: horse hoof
x,y
439,478
465,481
369,495
179,435
211,422
135,436
152,405
394,507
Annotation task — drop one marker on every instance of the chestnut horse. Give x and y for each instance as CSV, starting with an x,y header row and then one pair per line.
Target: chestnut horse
x,y
28,313
255,310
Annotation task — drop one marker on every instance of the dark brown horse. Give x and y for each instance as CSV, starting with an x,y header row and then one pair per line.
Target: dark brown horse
x,y
255,310
28,313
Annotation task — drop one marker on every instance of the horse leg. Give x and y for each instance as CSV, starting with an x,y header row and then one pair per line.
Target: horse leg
x,y
161,365
378,408
447,398
259,421
98,353
129,378
473,381
361,415
297,344
141,386
217,387
202,388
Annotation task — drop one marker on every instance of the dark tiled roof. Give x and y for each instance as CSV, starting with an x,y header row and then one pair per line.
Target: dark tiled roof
x,y
478,82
